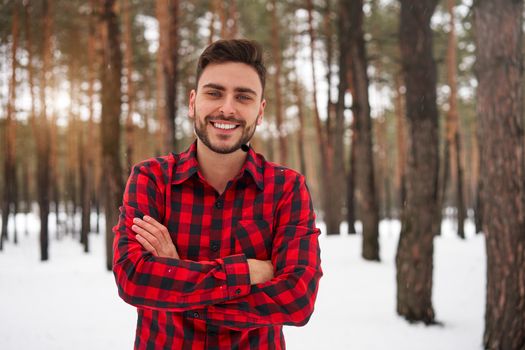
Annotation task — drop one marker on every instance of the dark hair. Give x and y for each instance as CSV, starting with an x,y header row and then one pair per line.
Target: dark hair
x,y
233,50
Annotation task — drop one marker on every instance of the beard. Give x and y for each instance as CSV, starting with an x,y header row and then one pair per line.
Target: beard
x,y
202,133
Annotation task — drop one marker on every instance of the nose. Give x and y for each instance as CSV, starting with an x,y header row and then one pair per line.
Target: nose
x,y
228,106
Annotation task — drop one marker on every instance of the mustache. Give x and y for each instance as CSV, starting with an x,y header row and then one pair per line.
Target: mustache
x,y
210,118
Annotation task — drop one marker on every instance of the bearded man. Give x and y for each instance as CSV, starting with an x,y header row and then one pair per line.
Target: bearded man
x,y
216,247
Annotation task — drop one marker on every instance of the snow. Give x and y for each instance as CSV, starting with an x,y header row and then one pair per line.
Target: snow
x,y
71,302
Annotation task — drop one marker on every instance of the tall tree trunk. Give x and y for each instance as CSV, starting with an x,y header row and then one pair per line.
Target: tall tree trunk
x,y
86,163
344,86
54,173
414,260
401,146
364,160
110,127
499,67
10,183
128,64
453,134
43,135
167,15
298,93
475,181
32,115
26,185
170,71
332,212
73,134
276,51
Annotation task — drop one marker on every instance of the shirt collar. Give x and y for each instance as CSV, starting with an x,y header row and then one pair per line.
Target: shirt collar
x,y
187,166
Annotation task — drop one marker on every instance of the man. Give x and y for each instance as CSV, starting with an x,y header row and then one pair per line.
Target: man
x,y
216,247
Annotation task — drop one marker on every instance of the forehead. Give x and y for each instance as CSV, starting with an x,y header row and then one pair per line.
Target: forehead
x,y
231,75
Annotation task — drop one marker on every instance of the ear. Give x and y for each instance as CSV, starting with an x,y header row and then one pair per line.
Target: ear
x,y
191,105
261,112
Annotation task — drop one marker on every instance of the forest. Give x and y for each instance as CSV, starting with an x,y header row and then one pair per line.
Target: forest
x,y
392,109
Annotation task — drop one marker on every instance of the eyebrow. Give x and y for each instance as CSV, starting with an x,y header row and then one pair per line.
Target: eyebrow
x,y
222,88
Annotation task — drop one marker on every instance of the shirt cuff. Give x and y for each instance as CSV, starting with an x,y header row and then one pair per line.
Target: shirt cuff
x,y
237,275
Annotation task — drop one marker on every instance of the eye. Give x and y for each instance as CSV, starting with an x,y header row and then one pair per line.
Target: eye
x,y
244,97
213,93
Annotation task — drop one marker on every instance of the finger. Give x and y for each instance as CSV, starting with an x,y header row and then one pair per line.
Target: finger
x,y
152,239
146,245
159,227
150,228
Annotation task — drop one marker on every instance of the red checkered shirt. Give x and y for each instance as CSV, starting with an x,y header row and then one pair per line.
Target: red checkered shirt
x,y
204,300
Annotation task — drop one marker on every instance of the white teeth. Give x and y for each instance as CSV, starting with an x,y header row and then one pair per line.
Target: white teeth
x,y
224,126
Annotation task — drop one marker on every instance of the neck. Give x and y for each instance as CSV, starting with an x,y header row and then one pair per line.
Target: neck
x,y
219,168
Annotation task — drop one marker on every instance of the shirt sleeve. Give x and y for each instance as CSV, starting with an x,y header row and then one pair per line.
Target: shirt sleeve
x,y
287,299
144,280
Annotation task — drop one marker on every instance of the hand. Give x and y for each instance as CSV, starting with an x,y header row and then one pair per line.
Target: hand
x,y
260,271
154,237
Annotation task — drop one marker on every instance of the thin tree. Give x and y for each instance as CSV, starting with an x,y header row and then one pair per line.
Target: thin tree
x,y
499,67
401,146
10,183
414,260
298,94
344,86
168,16
86,155
32,94
364,161
128,64
332,211
170,71
110,127
452,157
43,134
276,52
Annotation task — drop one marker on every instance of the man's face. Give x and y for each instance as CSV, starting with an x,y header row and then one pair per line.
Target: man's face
x,y
227,106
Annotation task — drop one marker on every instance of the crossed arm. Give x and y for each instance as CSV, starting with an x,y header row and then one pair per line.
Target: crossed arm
x,y
156,239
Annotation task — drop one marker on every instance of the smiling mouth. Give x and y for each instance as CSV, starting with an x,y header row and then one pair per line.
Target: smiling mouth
x,y
224,126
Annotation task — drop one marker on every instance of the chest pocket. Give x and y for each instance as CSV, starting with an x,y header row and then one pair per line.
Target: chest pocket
x,y
254,239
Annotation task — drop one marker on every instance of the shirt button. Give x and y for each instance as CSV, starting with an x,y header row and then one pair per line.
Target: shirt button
x,y
196,314
219,204
238,291
214,246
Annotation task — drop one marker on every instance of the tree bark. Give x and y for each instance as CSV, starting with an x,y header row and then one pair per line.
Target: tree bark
x,y
298,93
32,115
128,64
332,211
43,135
167,15
414,260
86,162
10,183
276,51
364,160
401,146
453,134
170,71
498,27
110,127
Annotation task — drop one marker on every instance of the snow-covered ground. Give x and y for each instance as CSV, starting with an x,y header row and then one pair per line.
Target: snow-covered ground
x,y
71,302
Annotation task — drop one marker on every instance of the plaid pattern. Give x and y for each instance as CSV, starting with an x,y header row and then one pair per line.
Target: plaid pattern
x,y
205,300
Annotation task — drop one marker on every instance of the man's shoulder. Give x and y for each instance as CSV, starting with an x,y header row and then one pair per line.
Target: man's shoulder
x,y
158,166
281,173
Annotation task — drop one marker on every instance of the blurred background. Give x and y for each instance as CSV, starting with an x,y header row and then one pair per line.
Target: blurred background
x,y
406,117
